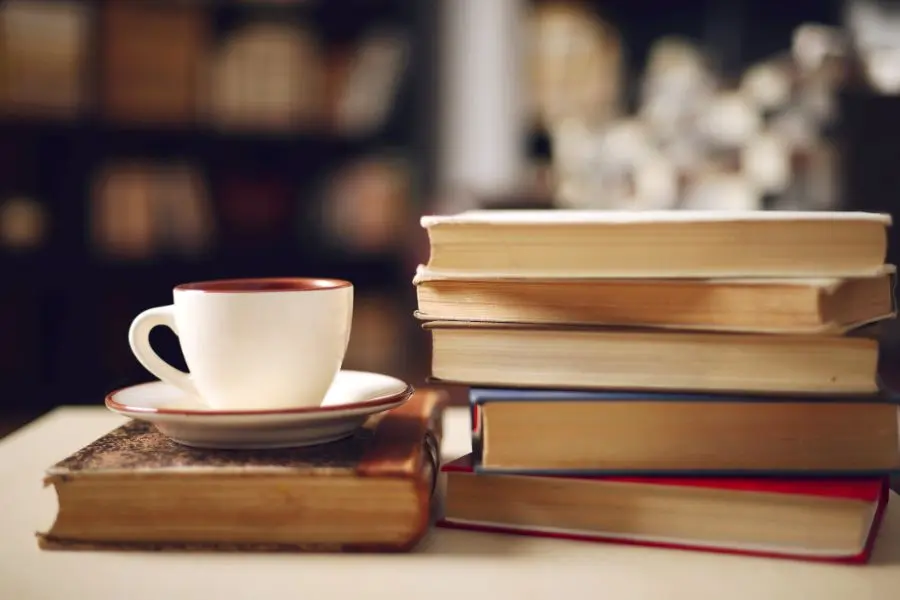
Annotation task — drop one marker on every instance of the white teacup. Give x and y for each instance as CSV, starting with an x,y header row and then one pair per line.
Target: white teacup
x,y
252,344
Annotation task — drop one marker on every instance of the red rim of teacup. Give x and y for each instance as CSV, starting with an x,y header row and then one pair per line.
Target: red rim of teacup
x,y
385,400
264,284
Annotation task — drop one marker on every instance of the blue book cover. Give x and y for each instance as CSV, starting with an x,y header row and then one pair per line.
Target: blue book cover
x,y
478,397
481,395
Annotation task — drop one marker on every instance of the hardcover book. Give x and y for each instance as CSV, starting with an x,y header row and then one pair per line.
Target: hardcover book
x,y
534,356
576,432
590,244
136,489
784,306
823,519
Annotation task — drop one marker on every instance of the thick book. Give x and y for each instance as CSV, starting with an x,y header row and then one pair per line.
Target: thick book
x,y
834,520
576,432
799,305
664,244
559,357
136,489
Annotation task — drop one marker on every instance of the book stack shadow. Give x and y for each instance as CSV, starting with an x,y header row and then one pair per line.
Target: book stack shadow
x,y
692,380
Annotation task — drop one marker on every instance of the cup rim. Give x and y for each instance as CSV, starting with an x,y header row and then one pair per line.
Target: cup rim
x,y
263,285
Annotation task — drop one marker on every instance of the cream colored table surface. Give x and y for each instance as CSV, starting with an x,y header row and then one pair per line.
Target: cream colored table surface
x,y
448,564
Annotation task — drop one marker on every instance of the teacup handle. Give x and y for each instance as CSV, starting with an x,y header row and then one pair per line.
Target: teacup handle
x,y
139,340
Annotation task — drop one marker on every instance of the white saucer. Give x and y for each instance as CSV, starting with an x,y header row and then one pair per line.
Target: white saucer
x,y
353,397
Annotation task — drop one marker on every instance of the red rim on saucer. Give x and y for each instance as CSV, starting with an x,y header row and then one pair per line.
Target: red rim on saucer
x,y
376,402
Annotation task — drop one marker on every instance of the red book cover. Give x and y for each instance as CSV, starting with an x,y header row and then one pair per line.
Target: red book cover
x,y
873,491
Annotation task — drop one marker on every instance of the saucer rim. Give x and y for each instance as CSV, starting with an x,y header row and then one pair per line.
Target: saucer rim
x,y
385,400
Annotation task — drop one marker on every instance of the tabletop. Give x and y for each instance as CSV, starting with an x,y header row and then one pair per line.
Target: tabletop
x,y
447,564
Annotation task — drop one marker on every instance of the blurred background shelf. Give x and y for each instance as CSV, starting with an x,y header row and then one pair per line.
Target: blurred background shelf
x,y
147,144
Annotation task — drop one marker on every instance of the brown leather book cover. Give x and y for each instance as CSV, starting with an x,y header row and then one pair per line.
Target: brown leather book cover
x,y
401,443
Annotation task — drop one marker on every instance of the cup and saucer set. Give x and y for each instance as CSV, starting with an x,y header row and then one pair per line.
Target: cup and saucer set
x,y
264,359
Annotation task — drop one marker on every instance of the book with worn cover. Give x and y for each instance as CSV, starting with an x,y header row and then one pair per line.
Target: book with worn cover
x,y
584,432
835,520
134,488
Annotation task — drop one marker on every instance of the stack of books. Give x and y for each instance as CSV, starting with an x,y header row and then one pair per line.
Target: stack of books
x,y
688,379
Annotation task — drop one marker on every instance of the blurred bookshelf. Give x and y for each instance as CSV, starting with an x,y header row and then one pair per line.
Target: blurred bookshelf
x,y
143,144
147,144
659,108
765,105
